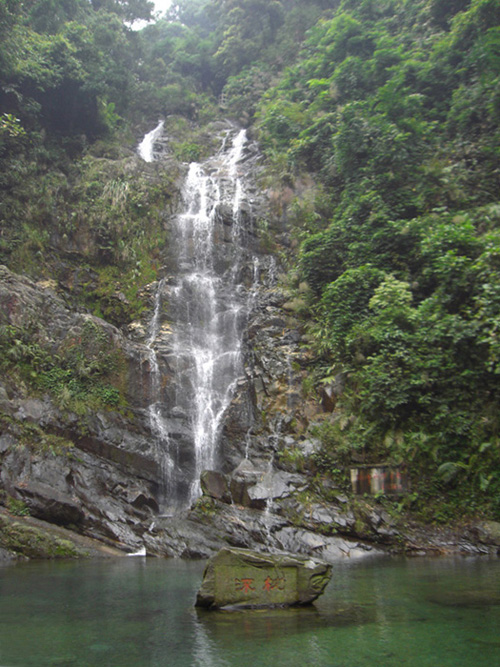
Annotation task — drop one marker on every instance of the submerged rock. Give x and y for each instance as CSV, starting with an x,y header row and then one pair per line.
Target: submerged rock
x,y
241,578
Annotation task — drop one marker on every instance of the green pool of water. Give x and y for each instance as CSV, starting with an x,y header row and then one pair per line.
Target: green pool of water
x,y
133,611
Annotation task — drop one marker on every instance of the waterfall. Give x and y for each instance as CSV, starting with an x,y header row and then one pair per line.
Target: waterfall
x,y
157,421
146,147
209,310
206,306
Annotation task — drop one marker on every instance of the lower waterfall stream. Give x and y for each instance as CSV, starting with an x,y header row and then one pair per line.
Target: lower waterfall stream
x,y
206,306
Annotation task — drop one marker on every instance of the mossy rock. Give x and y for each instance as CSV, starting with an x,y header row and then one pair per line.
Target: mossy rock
x,y
489,532
31,542
242,578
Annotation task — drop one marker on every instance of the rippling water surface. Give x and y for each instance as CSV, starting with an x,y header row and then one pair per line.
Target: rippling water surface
x,y
135,611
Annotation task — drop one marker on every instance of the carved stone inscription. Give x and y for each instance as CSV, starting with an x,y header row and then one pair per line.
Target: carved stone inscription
x,y
241,578
251,585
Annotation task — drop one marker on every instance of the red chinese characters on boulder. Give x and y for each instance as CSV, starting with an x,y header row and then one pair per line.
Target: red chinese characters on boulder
x,y
244,585
242,579
271,584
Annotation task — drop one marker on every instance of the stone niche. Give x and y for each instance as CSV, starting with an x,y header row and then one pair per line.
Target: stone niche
x,y
241,578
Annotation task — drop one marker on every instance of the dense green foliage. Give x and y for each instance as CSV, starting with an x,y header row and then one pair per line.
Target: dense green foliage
x,y
394,106
66,78
75,82
80,375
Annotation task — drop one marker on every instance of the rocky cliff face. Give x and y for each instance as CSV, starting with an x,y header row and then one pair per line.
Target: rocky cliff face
x,y
79,441
91,469
79,447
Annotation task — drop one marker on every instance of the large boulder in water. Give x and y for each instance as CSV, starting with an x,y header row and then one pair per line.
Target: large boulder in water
x,y
241,578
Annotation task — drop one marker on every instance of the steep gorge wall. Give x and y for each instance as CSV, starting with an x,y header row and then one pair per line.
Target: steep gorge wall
x,y
71,458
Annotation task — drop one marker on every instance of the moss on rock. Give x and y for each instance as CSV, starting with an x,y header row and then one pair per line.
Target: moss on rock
x,y
29,541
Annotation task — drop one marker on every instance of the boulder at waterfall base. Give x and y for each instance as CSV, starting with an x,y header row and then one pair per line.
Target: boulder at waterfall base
x,y
241,578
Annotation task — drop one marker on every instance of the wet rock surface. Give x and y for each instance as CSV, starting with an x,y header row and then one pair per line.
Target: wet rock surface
x,y
105,480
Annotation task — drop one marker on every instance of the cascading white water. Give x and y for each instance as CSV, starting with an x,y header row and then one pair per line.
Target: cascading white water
x,y
206,307
157,421
146,147
209,310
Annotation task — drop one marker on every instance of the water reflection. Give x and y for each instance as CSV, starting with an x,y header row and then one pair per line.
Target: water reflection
x,y
262,624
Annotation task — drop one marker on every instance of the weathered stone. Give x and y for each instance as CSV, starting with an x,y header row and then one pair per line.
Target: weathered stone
x,y
241,578
22,539
272,485
329,548
320,514
6,555
50,505
309,446
243,477
489,532
308,541
214,484
143,502
328,398
6,442
32,410
239,492
338,548
255,485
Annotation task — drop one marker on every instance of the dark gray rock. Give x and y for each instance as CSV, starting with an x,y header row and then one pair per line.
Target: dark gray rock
x,y
6,555
32,410
300,541
273,485
328,548
6,442
214,484
320,514
183,537
255,485
48,504
242,478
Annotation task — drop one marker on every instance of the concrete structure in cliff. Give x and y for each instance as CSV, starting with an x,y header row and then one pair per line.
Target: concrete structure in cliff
x,y
241,578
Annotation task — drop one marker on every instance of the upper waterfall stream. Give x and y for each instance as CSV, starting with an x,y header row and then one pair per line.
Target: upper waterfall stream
x,y
206,305
146,147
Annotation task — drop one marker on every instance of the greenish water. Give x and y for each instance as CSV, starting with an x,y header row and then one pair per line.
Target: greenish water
x,y
133,611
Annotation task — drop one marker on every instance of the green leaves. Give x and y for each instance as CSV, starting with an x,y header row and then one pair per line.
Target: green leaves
x,y
397,115
78,377
11,131
346,302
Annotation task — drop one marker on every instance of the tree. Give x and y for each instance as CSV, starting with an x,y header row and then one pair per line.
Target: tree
x,y
129,10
